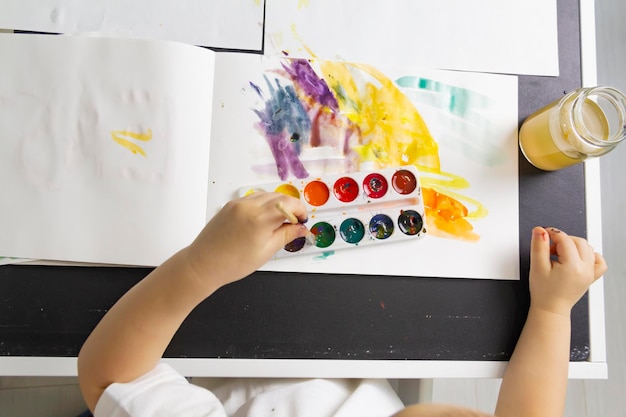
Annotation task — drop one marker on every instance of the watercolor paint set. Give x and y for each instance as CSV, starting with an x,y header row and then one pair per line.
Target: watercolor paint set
x,y
356,209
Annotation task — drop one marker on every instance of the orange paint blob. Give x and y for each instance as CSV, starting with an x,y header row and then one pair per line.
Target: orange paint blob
x,y
447,215
316,193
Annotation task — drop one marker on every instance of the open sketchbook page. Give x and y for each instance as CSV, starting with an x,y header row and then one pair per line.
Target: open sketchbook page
x,y
481,35
331,117
217,23
104,147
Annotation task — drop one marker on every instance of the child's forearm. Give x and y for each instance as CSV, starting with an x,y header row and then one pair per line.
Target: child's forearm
x,y
133,335
535,381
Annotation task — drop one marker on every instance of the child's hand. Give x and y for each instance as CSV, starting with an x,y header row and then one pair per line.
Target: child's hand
x,y
244,235
562,268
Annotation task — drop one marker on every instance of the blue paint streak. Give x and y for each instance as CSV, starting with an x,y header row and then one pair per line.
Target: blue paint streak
x,y
256,88
324,255
283,118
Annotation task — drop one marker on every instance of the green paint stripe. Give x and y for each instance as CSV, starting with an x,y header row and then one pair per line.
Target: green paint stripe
x,y
460,100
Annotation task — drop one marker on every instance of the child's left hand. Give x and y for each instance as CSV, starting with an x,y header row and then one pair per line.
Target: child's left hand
x,y
244,235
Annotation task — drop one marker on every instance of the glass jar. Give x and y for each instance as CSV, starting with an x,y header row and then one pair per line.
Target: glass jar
x,y
586,123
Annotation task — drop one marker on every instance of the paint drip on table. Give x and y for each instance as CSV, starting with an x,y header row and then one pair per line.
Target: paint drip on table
x,y
359,113
357,209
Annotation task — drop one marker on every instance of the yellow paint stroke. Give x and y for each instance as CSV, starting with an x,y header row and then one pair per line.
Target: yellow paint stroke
x,y
393,133
295,34
447,216
303,3
133,147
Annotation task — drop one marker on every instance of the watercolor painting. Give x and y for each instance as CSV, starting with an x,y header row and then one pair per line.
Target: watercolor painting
x,y
358,111
286,119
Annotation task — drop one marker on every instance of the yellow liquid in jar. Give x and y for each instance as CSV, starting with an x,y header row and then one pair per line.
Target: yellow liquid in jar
x,y
539,148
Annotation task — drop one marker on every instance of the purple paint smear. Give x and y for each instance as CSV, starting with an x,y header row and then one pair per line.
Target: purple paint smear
x,y
300,114
284,118
303,75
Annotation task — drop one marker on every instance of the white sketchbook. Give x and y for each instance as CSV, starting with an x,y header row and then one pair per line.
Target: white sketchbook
x,y
119,150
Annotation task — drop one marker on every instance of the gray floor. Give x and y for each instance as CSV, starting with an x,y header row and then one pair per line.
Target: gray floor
x,y
60,397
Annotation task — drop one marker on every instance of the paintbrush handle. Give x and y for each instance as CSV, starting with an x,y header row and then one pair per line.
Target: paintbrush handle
x,y
288,215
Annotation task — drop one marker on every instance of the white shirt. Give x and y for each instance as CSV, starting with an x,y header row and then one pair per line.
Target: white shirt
x,y
164,392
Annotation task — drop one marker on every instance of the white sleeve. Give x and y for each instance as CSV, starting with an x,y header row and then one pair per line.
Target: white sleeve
x,y
160,392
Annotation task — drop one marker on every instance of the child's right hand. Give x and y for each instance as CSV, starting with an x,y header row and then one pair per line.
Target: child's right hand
x,y
244,235
562,268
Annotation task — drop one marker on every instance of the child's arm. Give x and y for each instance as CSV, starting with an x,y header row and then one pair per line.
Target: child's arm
x,y
133,335
535,381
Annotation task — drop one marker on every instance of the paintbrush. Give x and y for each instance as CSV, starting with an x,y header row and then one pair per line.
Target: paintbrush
x,y
310,237
289,215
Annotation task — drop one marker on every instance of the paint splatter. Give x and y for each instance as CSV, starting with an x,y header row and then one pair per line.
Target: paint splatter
x,y
324,255
119,137
359,112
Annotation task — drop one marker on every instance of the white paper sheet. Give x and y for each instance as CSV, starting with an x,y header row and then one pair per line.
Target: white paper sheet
x,y
225,24
481,35
72,111
472,116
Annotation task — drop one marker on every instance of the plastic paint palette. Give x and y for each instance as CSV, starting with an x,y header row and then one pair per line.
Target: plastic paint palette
x,y
356,209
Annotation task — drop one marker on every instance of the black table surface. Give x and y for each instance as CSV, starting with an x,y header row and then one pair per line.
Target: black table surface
x,y
50,310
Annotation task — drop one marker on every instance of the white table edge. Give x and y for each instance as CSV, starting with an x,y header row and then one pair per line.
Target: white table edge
x,y
302,368
593,208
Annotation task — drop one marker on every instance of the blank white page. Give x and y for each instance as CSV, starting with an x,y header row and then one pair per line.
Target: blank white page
x,y
104,147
